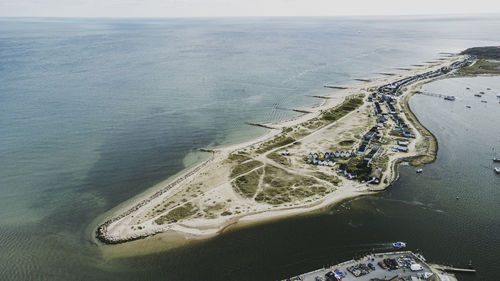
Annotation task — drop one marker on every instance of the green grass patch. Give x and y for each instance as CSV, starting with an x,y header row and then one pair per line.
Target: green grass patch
x,y
278,141
357,166
247,184
178,214
482,66
282,187
350,104
239,157
382,162
488,52
278,158
395,133
340,111
346,142
329,178
245,167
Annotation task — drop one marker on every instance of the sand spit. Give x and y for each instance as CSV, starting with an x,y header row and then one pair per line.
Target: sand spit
x,y
204,199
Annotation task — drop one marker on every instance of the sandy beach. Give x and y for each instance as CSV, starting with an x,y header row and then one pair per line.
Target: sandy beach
x,y
207,192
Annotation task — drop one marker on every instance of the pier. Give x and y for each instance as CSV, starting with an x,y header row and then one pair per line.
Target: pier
x,y
431,94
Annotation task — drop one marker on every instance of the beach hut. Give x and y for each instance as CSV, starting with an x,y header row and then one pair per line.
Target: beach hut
x,y
315,161
315,155
337,154
331,163
342,154
321,155
327,155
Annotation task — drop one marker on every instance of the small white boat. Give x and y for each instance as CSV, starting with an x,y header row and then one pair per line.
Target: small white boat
x,y
399,245
421,257
497,170
419,171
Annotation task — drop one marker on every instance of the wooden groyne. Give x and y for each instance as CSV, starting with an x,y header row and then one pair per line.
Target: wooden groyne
x,y
417,65
335,87
320,97
388,74
301,111
401,68
206,150
363,80
260,125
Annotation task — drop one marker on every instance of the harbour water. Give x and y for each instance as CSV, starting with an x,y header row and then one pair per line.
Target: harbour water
x,y
93,112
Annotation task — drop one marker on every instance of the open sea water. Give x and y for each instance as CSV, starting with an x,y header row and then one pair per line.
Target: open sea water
x,y
95,111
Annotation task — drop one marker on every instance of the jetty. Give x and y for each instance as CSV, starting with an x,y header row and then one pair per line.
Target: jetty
x,y
401,265
432,94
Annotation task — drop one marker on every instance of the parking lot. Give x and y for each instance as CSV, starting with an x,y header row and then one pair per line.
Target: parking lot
x,y
399,261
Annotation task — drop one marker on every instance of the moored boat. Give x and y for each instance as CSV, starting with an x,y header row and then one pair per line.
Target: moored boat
x,y
419,171
496,159
399,245
497,170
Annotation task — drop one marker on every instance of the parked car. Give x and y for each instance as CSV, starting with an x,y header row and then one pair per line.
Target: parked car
x,y
371,266
382,265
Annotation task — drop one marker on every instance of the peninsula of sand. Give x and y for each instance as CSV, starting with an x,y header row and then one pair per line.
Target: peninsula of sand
x,y
348,146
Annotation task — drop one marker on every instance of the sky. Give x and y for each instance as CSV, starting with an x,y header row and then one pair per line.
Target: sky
x,y
240,8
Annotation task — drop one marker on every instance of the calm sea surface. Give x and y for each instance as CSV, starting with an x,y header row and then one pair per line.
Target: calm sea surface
x,y
93,112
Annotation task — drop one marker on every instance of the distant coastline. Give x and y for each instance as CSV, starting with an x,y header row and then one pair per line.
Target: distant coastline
x,y
141,217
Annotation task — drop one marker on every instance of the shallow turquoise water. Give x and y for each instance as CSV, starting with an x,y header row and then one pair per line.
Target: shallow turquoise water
x,y
92,112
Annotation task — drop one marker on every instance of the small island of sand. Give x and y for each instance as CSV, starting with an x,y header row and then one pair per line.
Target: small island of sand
x,y
348,146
